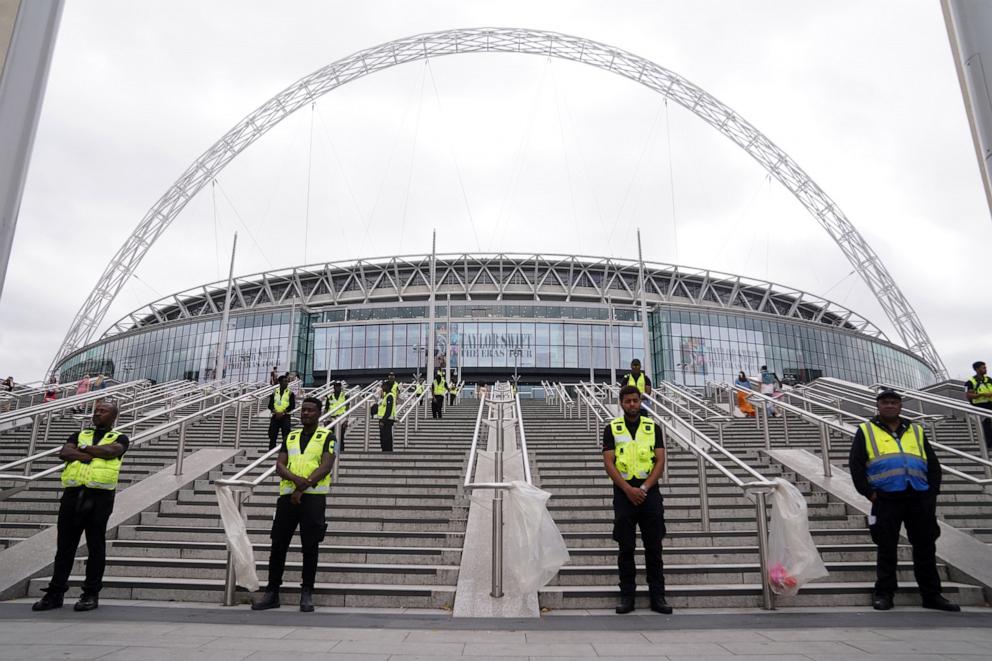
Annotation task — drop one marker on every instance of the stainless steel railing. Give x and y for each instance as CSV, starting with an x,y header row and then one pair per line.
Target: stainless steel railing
x,y
503,401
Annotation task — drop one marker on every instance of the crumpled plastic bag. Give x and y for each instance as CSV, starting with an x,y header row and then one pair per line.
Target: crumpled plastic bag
x,y
236,534
534,549
793,559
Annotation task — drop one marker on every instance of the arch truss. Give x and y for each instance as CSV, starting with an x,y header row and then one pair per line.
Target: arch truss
x,y
503,40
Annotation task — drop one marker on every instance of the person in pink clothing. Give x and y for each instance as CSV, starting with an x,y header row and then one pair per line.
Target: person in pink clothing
x,y
83,386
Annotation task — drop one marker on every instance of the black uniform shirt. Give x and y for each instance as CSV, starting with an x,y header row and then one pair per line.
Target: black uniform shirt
x,y
858,461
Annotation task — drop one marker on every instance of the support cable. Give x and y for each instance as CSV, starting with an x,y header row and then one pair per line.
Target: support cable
x,y
306,221
344,177
634,175
671,182
244,224
413,155
213,199
454,158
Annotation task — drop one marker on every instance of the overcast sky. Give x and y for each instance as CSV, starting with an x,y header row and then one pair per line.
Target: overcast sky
x,y
503,152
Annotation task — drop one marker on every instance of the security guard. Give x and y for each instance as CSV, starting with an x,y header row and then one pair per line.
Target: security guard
x,y
386,412
89,481
634,457
893,466
637,378
282,401
439,388
335,406
978,390
304,464
453,395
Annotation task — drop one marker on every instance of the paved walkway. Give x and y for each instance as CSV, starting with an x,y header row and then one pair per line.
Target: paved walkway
x,y
121,630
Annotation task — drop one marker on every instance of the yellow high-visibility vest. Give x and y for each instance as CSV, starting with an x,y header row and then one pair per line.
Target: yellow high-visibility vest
x,y
98,473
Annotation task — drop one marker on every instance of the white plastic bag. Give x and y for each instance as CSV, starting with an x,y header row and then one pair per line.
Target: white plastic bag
x,y
793,559
242,553
534,550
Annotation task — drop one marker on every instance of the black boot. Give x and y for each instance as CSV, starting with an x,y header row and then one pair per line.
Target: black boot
x,y
940,603
50,600
269,600
306,600
87,602
882,602
659,605
626,604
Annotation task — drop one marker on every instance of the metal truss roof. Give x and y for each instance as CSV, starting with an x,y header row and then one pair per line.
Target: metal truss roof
x,y
503,40
494,277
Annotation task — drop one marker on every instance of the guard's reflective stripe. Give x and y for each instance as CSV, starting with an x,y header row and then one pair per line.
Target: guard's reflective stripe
x,y
895,464
639,381
98,473
280,402
336,404
305,462
634,457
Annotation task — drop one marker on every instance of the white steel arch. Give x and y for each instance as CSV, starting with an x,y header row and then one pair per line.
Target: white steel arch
x,y
502,40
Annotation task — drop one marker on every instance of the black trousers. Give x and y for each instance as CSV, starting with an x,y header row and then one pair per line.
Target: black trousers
x,y
437,406
82,510
284,424
451,398
309,516
650,517
986,425
339,436
386,435
920,518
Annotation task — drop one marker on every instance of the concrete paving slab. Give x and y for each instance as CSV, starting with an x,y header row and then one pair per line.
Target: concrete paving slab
x,y
44,651
639,650
148,653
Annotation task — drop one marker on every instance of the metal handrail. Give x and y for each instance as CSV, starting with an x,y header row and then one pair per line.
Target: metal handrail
x,y
691,397
66,403
498,401
865,400
826,424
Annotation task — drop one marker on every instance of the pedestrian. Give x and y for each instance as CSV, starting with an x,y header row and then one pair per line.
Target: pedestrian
x,y
768,382
273,377
52,392
386,411
282,401
296,385
637,378
439,388
336,408
452,395
978,390
634,457
743,405
93,459
304,464
893,465
98,383
83,386
7,385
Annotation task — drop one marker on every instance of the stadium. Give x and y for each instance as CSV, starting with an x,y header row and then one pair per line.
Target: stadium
x,y
539,316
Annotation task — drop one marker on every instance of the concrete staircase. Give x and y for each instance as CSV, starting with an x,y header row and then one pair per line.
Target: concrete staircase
x,y
719,568
395,527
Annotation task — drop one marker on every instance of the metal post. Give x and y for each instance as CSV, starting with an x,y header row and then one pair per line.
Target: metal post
x,y
223,423
825,449
32,443
229,578
237,426
704,499
182,449
406,431
647,359
48,426
764,417
497,578
368,423
983,449
785,426
767,599
431,312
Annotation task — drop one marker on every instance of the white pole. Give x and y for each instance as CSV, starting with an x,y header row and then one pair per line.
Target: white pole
x,y
430,312
447,345
225,318
646,359
609,330
23,77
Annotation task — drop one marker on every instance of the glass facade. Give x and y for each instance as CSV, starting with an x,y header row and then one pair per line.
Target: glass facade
x,y
689,345
693,347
